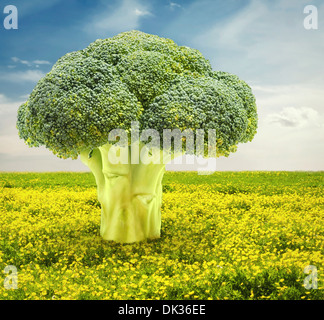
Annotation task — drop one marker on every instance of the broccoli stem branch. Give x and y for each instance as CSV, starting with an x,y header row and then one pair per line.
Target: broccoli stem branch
x,y
130,196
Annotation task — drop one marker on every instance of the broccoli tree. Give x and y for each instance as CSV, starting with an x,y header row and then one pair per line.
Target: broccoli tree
x,y
139,77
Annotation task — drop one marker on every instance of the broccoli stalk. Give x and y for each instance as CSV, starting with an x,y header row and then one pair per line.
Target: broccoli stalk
x,y
130,196
139,77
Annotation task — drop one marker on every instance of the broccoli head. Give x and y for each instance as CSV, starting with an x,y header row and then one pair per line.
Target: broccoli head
x,y
140,77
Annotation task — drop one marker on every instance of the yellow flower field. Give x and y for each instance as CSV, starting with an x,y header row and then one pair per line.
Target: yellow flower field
x,y
225,236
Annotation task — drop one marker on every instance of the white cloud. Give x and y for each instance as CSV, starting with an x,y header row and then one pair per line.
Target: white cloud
x,y
17,60
6,105
22,76
296,117
41,62
10,143
267,42
273,98
123,18
174,5
15,155
8,118
29,63
3,99
25,96
276,147
290,134
139,12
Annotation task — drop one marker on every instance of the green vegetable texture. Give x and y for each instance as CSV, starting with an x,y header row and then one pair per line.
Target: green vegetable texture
x,y
140,77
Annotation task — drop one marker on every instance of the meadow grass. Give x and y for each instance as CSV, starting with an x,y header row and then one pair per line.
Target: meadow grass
x,y
230,235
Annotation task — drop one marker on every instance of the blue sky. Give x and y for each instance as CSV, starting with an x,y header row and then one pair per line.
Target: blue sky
x,y
263,42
